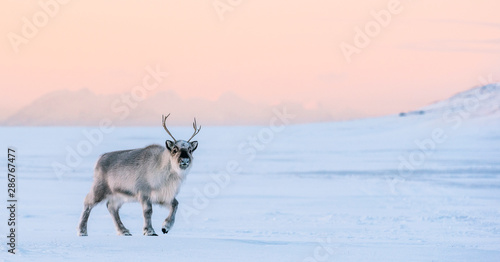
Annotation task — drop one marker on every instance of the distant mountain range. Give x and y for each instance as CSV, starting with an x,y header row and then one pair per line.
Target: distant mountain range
x,y
83,107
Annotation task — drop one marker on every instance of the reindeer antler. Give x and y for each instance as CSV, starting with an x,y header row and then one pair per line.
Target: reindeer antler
x,y
164,121
196,131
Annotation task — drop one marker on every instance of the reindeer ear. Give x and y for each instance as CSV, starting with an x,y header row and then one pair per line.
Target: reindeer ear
x,y
170,145
193,145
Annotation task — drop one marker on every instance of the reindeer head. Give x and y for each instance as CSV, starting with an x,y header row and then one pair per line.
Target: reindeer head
x,y
181,151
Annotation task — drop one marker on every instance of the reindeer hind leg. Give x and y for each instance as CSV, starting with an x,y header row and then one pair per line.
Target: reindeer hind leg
x,y
114,203
97,193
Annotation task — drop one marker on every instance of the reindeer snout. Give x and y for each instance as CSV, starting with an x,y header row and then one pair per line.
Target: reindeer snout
x,y
184,161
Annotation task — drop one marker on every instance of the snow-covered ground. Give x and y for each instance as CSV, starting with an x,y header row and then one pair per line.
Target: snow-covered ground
x,y
413,188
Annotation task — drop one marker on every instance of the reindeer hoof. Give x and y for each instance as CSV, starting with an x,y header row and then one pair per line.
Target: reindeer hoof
x,y
164,230
149,232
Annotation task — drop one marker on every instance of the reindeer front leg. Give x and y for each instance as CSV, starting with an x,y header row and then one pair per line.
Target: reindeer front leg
x,y
147,209
169,221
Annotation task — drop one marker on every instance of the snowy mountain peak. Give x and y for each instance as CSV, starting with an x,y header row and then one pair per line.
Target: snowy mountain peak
x,y
476,102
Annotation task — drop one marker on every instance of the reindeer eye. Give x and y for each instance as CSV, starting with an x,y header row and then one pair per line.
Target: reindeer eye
x,y
174,150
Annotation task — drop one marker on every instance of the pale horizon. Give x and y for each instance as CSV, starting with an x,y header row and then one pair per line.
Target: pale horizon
x,y
265,52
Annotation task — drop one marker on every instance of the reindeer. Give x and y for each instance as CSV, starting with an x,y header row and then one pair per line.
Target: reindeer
x,y
150,175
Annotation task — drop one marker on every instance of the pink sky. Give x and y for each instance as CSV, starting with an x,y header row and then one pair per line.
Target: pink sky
x,y
262,50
